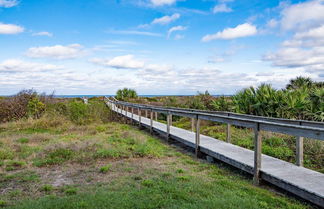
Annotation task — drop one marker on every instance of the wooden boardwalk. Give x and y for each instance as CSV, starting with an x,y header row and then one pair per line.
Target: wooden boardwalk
x,y
303,182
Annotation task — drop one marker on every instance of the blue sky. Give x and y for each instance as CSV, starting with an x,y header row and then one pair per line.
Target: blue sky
x,y
158,46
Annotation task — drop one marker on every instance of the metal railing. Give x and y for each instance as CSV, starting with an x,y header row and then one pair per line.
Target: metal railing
x,y
298,128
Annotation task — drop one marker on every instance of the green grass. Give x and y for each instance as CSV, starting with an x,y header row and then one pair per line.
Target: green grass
x,y
110,165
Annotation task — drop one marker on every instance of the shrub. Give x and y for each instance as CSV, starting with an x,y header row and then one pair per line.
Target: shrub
x,y
78,112
47,188
35,108
124,94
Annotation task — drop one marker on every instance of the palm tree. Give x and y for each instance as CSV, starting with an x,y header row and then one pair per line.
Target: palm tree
x,y
299,82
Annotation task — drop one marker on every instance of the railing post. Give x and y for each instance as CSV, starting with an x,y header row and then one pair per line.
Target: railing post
x,y
257,154
170,119
156,116
228,133
132,114
197,136
146,113
139,117
192,124
300,151
151,122
168,126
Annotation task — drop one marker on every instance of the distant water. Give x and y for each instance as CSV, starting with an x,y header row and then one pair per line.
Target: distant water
x,y
89,96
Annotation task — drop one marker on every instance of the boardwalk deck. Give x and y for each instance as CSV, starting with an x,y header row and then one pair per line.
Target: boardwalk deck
x,y
303,182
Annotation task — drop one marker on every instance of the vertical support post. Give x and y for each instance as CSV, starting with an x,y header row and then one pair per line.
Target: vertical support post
x,y
228,133
192,124
146,113
168,126
257,154
300,151
139,117
156,116
151,122
132,114
197,136
170,119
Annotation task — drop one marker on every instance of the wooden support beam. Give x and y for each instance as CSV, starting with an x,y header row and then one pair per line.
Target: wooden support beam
x,y
132,114
228,133
139,117
169,121
257,154
192,124
300,151
151,122
156,116
146,113
197,136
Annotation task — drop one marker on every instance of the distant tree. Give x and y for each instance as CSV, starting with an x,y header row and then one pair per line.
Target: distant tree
x,y
300,82
126,93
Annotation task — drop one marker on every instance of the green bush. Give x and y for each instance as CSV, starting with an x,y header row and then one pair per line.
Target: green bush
x,y
35,108
125,93
78,112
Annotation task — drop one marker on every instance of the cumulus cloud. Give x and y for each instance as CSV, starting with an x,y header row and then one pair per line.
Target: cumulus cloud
x,y
120,62
162,2
219,8
17,65
43,33
176,28
56,52
8,3
239,31
166,19
304,50
10,29
303,15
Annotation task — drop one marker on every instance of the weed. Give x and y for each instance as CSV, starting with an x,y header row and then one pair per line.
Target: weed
x,y
148,183
47,188
23,140
14,165
3,203
70,190
57,156
105,169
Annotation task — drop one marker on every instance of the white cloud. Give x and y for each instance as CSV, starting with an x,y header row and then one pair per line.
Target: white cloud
x,y
10,29
162,2
43,33
304,50
221,8
272,23
303,15
134,32
239,31
17,65
8,3
120,62
166,19
56,52
176,28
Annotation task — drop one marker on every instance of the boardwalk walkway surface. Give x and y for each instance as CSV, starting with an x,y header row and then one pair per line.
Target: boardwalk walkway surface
x,y
303,182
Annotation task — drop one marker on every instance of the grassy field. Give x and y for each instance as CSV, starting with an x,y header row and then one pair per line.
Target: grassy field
x,y
52,162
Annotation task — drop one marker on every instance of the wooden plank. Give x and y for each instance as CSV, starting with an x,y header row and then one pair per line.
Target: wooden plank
x,y
300,151
257,155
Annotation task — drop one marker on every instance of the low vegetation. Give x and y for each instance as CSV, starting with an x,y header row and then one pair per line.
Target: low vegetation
x,y
301,99
73,155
